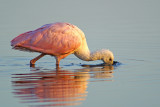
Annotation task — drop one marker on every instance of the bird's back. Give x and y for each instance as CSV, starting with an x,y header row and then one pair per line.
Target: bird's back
x,y
54,39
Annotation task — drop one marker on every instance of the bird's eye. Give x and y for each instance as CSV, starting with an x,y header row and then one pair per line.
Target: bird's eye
x,y
110,59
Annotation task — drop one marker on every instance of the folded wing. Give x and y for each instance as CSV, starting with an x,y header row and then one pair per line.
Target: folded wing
x,y
54,39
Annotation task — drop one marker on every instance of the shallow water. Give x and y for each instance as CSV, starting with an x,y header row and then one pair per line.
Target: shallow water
x,y
43,87
131,29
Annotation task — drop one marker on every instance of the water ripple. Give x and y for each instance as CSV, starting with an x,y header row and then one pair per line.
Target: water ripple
x,y
43,87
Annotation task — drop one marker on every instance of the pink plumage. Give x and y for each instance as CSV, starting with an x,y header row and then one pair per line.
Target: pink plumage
x,y
58,40
54,39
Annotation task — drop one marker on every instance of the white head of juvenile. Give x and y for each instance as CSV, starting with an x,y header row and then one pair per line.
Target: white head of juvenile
x,y
107,57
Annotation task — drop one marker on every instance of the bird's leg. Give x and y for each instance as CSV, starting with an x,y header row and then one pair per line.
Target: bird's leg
x,y
32,62
57,61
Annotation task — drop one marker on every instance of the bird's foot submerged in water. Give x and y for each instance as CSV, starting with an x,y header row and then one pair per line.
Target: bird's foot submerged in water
x,y
32,64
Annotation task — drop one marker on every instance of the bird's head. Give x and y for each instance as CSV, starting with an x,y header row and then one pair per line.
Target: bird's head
x,y
107,57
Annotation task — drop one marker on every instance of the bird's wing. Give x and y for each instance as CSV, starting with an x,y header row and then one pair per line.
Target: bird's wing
x,y
54,39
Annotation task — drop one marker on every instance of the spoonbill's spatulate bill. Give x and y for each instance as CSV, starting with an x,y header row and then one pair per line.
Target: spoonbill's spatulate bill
x,y
59,40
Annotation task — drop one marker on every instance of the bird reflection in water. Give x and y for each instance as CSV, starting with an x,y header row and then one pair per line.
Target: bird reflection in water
x,y
57,87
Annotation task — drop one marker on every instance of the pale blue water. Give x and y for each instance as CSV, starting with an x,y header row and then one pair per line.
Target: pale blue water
x,y
131,29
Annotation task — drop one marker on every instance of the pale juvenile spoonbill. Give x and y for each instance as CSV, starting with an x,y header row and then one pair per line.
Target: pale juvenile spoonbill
x,y
59,40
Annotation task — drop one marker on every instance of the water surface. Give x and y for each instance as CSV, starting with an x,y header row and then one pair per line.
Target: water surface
x,y
131,29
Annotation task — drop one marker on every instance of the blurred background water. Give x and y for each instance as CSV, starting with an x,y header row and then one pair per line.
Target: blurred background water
x,y
131,29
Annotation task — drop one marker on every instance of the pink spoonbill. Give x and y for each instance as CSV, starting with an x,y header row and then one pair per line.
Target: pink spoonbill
x,y
59,40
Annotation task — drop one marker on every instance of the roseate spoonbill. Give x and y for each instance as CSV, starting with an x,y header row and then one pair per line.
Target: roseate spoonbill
x,y
59,40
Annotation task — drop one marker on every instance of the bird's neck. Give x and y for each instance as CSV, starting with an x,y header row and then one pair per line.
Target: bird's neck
x,y
89,56
84,53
